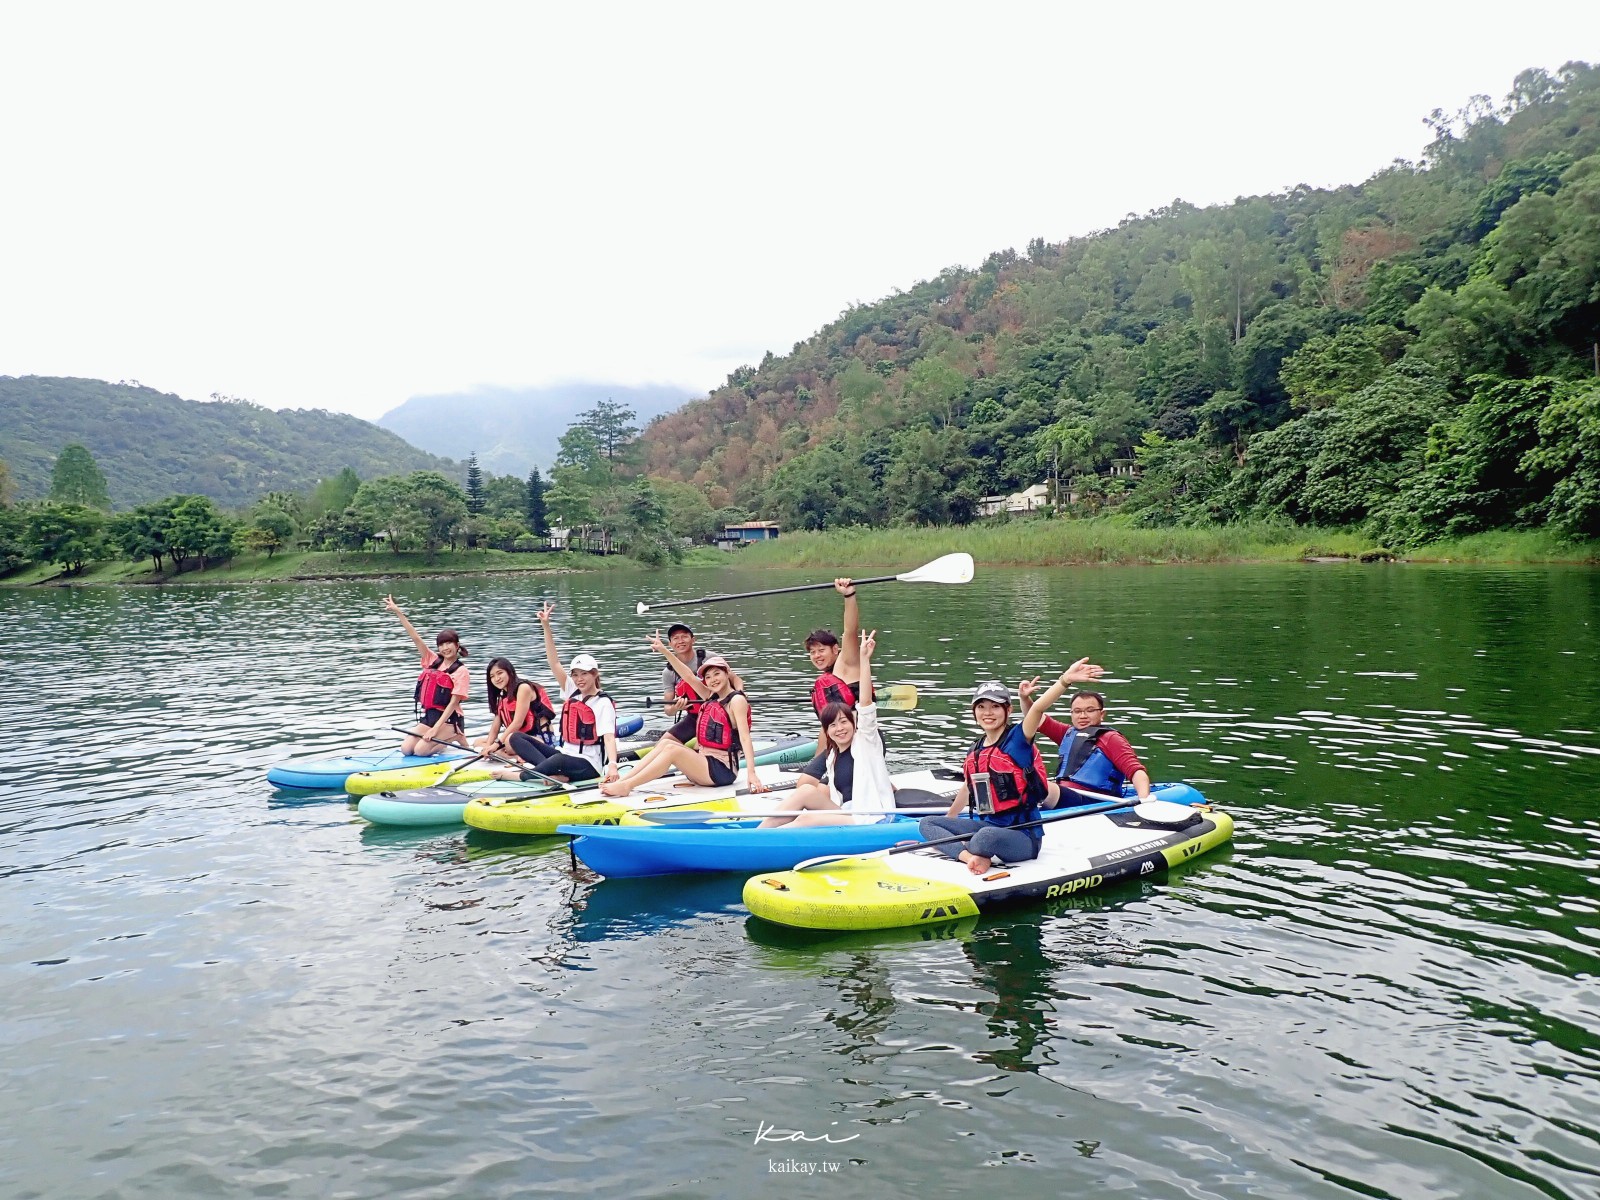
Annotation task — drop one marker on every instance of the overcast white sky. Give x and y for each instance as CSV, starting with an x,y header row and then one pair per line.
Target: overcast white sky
x,y
341,205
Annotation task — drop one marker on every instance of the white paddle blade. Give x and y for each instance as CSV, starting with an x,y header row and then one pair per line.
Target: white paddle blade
x,y
640,609
952,568
1165,812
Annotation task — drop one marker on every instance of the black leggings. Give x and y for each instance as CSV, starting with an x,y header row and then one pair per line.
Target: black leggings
x,y
548,761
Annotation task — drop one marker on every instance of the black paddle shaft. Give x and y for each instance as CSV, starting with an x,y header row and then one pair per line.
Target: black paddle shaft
x,y
804,587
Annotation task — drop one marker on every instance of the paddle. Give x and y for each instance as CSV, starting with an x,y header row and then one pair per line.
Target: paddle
x,y
1087,811
667,801
424,738
952,568
706,816
896,697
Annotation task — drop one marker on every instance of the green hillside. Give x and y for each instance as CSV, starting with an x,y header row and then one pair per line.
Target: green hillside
x,y
152,444
1417,354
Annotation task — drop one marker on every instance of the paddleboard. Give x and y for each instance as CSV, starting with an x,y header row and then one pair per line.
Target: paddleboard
x,y
441,805
329,774
396,807
433,770
666,843
926,886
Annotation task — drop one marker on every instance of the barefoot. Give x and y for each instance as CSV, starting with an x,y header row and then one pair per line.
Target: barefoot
x,y
616,788
976,863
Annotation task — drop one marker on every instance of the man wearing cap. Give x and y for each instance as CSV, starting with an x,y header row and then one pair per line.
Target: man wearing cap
x,y
680,699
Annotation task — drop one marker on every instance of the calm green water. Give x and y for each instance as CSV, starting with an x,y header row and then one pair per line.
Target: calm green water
x,y
1386,987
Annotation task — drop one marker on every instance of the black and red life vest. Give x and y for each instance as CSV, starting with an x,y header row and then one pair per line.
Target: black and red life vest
x,y
1013,784
579,725
685,691
715,728
435,686
830,689
539,713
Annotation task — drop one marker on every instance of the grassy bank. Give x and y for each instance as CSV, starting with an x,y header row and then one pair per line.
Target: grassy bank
x,y
307,565
1040,543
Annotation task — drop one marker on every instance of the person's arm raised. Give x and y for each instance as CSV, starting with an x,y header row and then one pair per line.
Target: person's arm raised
x,y
678,665
849,649
550,655
1082,671
416,638
866,644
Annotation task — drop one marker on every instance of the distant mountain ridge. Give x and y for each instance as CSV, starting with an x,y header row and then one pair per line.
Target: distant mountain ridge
x,y
153,444
513,430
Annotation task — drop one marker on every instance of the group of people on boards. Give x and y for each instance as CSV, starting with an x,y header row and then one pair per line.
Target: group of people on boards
x,y
572,739
1005,782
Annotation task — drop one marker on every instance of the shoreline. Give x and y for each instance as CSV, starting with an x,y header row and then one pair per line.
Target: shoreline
x,y
1102,542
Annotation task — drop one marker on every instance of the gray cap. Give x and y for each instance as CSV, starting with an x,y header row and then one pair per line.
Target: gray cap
x,y
992,690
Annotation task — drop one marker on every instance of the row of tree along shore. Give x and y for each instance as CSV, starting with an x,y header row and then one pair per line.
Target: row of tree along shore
x,y
1016,542
595,503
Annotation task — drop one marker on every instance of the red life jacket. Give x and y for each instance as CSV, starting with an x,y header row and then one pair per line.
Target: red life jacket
x,y
715,729
435,686
578,722
540,710
828,689
1012,783
685,691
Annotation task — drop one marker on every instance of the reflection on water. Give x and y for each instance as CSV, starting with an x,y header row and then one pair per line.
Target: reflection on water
x,y
1386,987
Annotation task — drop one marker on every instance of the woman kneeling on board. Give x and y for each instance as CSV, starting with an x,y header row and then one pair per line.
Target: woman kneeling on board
x,y
588,745
851,774
1005,782
440,692
722,728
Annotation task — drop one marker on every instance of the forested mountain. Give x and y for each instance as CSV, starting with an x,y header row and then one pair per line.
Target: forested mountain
x,y
1417,352
513,430
152,444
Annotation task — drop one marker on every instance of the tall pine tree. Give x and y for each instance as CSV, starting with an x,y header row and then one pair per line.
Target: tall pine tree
x,y
537,524
474,485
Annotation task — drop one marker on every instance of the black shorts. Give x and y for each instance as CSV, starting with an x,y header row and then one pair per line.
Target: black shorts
x,y
721,773
684,729
431,716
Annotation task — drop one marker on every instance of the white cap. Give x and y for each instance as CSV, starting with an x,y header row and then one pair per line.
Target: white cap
x,y
583,662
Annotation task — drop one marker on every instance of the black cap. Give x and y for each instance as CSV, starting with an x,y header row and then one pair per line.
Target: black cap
x,y
672,629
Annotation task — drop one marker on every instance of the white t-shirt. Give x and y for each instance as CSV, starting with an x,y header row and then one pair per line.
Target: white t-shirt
x,y
872,791
605,721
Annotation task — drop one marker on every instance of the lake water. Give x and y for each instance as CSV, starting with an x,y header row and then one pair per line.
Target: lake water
x,y
1388,986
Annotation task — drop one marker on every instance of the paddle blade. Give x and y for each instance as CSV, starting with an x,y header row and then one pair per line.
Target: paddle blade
x,y
952,568
640,609
900,697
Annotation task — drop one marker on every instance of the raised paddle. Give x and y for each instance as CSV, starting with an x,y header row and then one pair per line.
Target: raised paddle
x,y
1086,811
952,568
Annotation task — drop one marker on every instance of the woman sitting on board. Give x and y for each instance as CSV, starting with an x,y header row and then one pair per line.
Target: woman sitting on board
x,y
1094,758
1004,783
849,783
722,729
440,692
588,730
518,709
